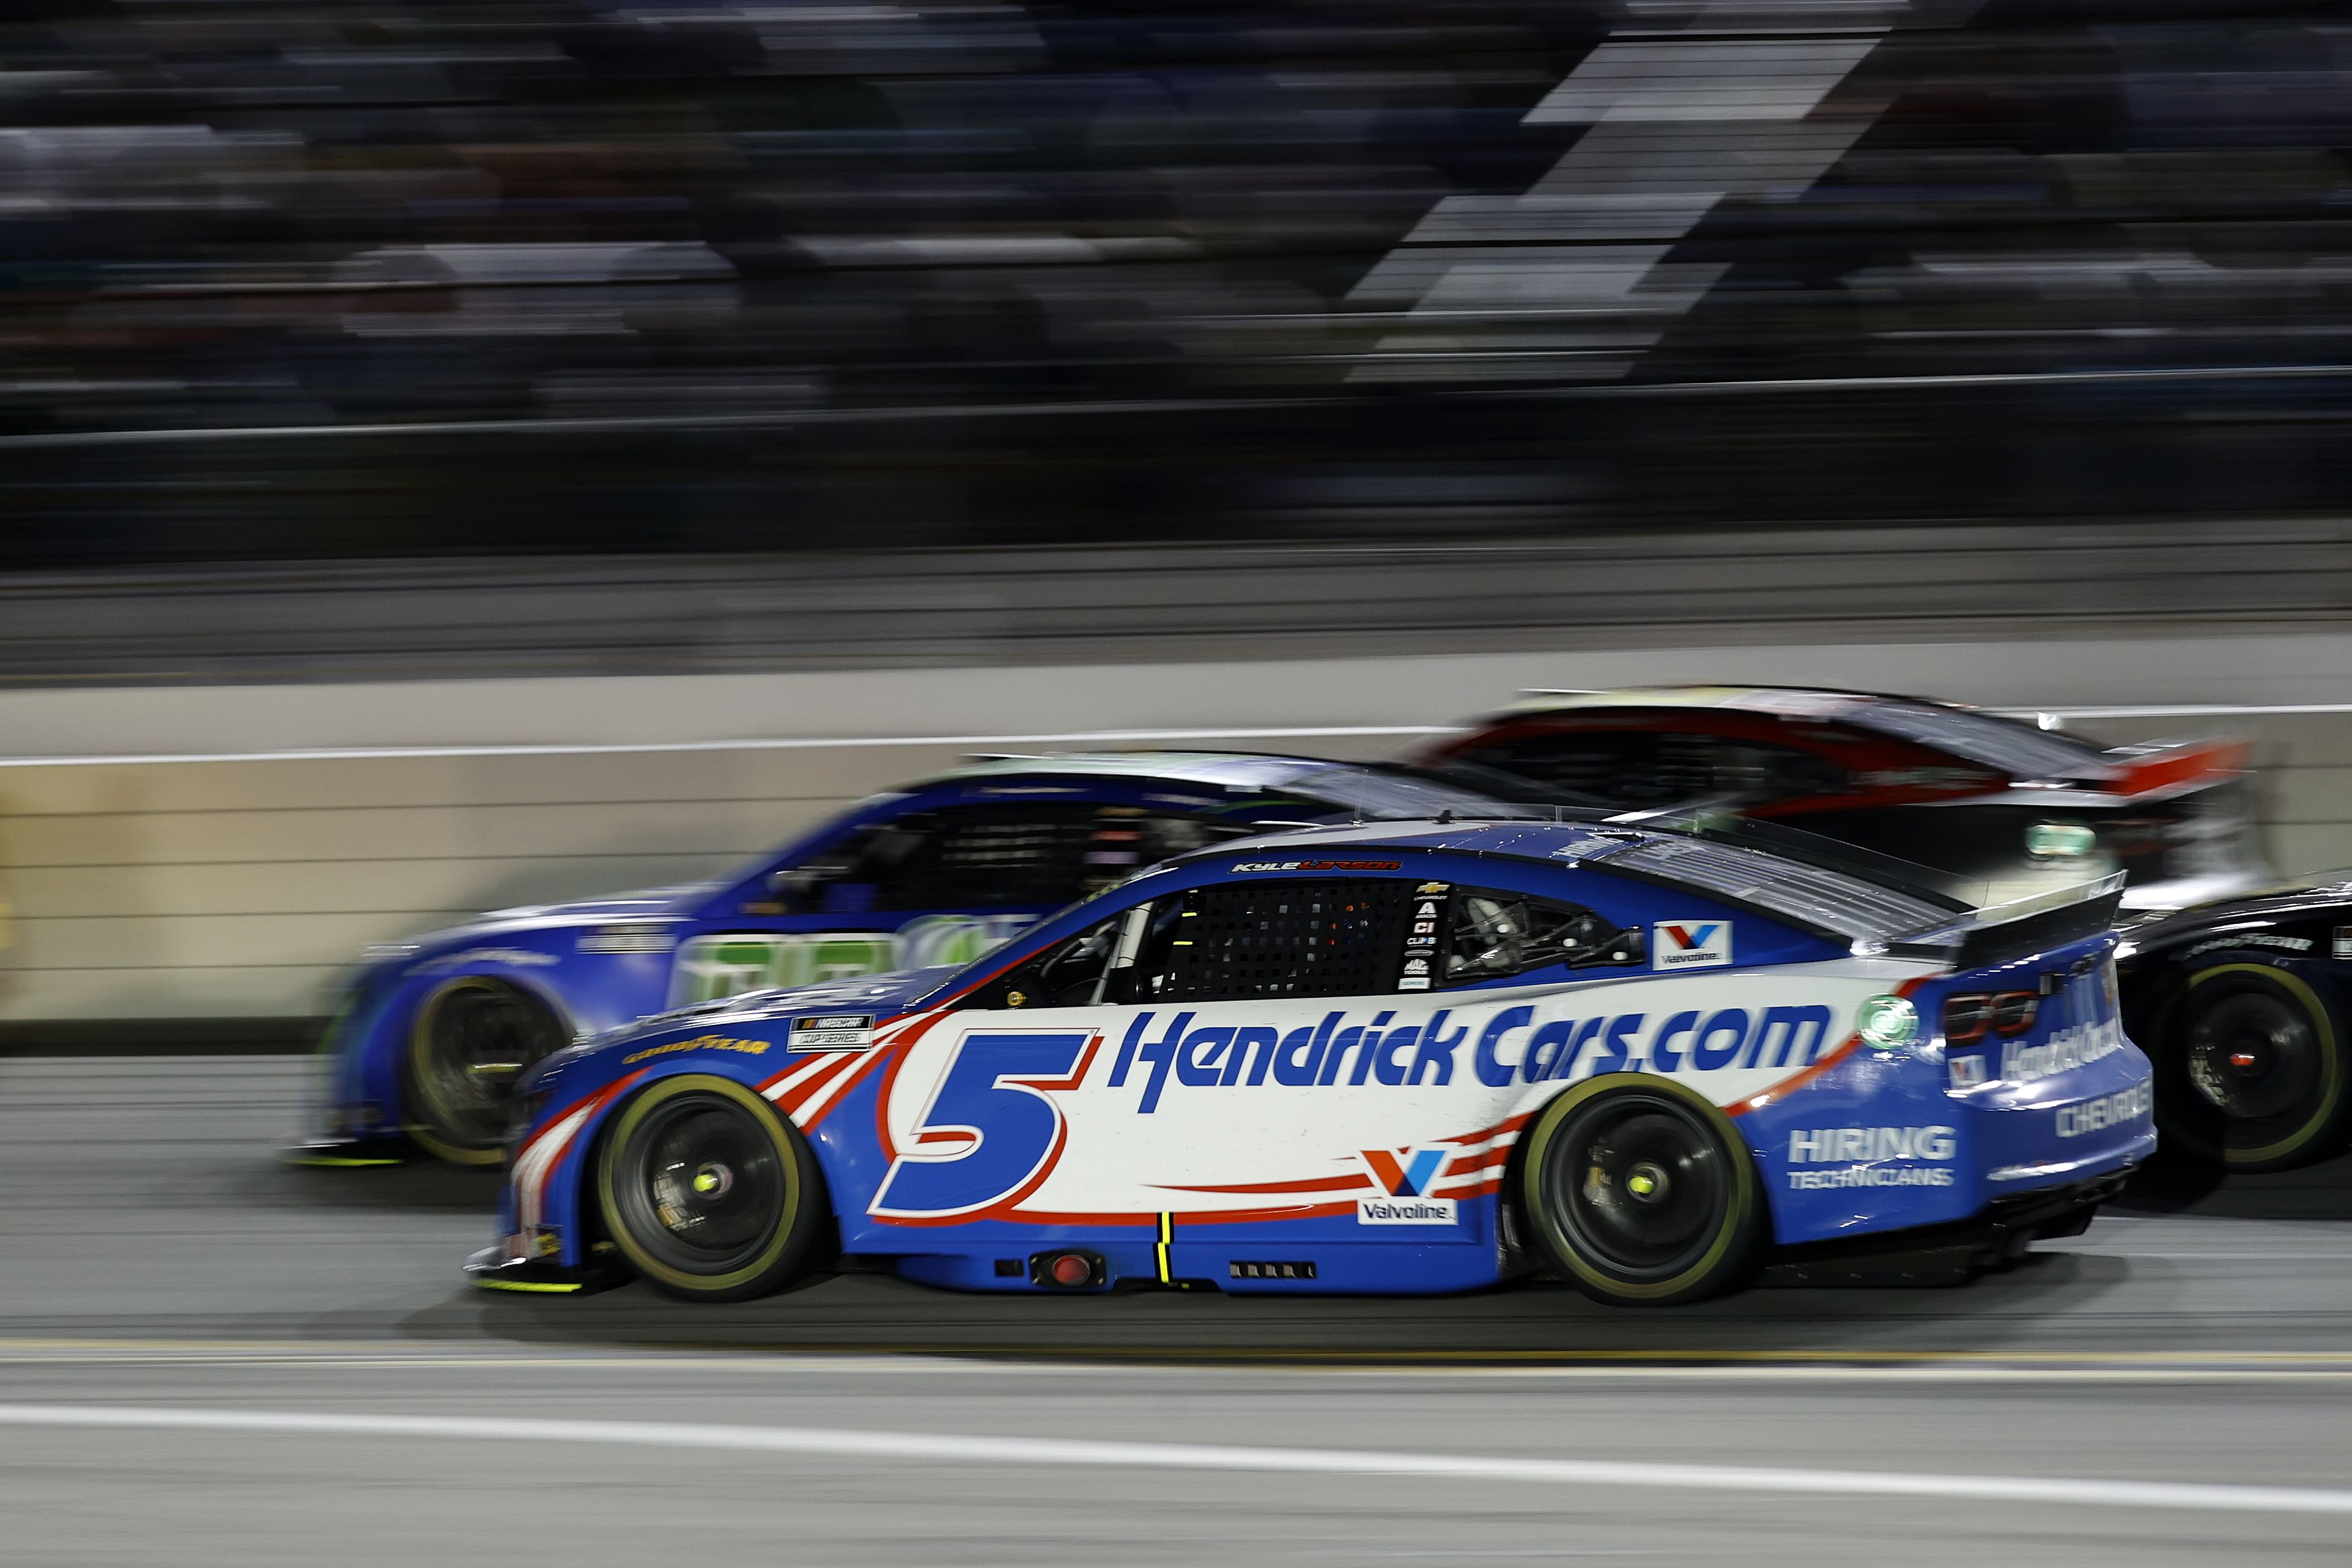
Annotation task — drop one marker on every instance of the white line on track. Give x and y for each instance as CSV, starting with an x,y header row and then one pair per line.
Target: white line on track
x,y
2178,710
1269,1363
948,1365
943,1448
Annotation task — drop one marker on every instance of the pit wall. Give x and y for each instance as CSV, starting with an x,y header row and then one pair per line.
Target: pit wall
x,y
177,853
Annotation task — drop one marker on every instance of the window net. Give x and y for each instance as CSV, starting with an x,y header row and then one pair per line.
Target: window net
x,y
1293,939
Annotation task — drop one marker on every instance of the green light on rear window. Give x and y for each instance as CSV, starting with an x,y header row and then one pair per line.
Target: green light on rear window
x,y
2060,841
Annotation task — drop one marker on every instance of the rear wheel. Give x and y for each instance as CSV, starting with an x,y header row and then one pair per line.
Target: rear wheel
x,y
1644,1194
473,1039
2254,1072
707,1192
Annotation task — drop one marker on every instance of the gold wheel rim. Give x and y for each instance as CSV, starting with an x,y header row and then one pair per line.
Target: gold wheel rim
x,y
1742,1204
633,1114
2323,1024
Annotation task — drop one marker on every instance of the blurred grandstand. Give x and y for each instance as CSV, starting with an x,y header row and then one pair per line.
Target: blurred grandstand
x,y
290,279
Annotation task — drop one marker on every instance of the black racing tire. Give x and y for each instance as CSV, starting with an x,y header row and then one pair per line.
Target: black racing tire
x,y
2252,1069
1643,1193
709,1192
472,1039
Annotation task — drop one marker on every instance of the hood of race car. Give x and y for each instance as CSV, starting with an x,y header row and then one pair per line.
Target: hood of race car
x,y
2328,899
765,1014
633,922
646,904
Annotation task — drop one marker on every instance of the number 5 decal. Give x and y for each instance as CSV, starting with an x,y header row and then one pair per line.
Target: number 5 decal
x,y
990,1134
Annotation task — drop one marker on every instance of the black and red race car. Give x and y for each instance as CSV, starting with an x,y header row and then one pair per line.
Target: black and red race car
x,y
1998,807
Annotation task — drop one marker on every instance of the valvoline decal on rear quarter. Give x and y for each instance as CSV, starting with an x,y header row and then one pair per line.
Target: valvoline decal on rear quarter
x,y
1690,944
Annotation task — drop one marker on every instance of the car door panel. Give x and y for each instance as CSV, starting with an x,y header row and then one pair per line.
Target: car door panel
x,y
1270,1109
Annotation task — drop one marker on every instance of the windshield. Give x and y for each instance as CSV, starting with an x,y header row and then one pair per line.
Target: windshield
x,y
1727,827
1394,792
1852,908
2017,749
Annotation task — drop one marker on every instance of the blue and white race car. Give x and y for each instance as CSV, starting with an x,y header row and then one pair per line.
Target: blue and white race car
x,y
431,1034
1377,1058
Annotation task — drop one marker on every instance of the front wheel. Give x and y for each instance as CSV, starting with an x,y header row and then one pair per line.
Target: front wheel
x,y
1644,1194
473,1039
2253,1070
707,1192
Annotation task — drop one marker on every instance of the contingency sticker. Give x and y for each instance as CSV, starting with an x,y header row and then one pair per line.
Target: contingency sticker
x,y
1691,944
832,1032
1420,933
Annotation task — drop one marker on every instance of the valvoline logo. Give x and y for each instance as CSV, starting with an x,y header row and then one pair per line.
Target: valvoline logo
x,y
1404,1173
1690,945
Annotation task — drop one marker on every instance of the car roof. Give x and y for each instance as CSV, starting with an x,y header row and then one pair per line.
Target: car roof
x,y
1317,778
1252,769
1971,734
1848,903
1808,702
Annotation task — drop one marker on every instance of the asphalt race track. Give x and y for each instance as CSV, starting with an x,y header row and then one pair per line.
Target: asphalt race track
x,y
209,1358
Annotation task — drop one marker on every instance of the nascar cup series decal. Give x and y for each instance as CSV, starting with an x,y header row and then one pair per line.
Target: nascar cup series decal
x,y
832,1032
1100,1114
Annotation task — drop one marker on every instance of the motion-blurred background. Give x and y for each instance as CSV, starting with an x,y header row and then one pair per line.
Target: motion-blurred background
x,y
415,380
670,275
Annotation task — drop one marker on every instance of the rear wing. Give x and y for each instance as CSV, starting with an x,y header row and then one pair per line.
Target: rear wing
x,y
2168,768
1719,820
2000,932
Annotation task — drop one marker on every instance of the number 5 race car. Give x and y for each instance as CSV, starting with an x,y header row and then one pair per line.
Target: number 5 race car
x,y
1380,1058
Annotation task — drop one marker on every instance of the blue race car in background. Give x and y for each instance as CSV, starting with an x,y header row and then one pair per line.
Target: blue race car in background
x,y
431,1034
1386,1057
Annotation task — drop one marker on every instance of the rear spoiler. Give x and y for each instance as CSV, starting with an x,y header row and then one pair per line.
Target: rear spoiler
x,y
2167,768
1718,820
2000,932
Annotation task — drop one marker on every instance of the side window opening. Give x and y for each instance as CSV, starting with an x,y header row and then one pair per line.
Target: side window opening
x,y
1072,973
1759,770
1492,935
989,856
1643,769
1125,840
1233,941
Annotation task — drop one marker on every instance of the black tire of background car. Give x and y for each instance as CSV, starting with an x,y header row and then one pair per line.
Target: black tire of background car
x,y
709,1193
2251,1068
1643,1193
472,1039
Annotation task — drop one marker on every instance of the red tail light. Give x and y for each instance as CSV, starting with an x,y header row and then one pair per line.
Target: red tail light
x,y
1968,1016
1965,1018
